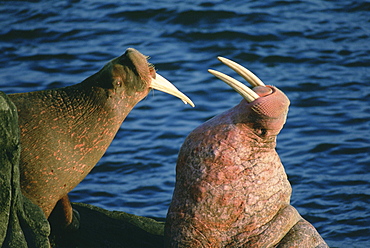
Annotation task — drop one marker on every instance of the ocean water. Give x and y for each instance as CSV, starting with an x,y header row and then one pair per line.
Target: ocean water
x,y
317,52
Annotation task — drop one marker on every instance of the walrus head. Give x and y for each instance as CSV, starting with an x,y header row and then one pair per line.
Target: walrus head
x,y
132,74
265,106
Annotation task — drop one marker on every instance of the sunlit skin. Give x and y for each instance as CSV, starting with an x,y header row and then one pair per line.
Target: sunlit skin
x,y
231,188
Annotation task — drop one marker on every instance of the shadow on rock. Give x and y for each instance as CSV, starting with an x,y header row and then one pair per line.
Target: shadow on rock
x,y
103,228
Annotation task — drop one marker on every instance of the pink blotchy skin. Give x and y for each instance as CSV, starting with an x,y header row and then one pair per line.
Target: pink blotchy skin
x,y
231,188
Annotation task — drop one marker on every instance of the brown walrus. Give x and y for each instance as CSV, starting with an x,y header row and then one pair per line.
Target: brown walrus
x,y
231,188
65,131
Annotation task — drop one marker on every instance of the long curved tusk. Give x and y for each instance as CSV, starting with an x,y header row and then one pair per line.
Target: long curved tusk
x,y
248,94
162,84
242,71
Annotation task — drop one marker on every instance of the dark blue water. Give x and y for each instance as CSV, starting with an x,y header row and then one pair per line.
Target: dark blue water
x,y
317,52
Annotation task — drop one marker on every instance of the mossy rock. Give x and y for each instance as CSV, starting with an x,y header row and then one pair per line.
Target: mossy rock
x,y
22,223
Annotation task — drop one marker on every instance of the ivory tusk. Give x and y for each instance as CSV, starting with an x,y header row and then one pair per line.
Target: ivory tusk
x,y
162,84
242,71
248,94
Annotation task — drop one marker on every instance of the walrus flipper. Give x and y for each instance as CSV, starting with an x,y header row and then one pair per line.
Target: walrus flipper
x,y
63,216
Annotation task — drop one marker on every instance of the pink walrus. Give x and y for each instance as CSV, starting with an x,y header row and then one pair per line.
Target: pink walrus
x,y
231,188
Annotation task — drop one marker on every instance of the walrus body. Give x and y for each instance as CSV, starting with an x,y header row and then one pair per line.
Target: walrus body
x,y
64,132
231,188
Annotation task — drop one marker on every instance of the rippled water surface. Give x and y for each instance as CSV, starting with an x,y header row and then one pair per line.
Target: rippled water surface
x,y
317,52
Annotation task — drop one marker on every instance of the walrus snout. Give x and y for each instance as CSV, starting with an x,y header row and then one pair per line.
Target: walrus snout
x,y
269,111
272,103
148,74
134,62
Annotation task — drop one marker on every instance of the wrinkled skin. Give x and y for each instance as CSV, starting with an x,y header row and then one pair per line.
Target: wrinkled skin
x,y
231,188
65,131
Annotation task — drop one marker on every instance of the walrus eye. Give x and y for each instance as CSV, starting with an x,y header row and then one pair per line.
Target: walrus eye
x,y
118,82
